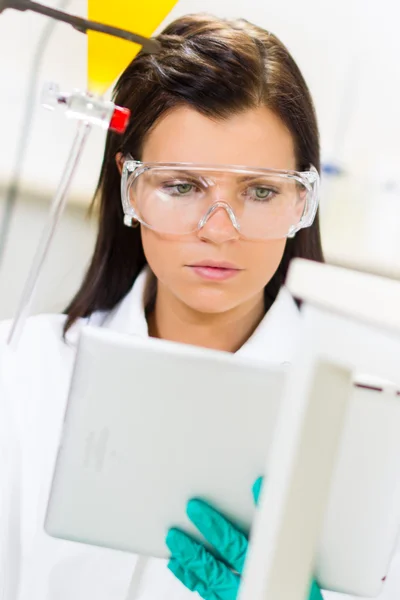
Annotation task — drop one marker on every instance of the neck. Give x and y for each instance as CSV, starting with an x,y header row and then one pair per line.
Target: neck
x,y
172,320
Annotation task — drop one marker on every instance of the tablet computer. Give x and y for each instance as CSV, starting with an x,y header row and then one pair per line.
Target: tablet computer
x,y
150,424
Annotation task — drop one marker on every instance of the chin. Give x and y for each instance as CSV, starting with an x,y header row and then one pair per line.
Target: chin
x,y
211,302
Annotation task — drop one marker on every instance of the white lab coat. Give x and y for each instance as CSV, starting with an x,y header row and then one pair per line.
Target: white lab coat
x,y
34,386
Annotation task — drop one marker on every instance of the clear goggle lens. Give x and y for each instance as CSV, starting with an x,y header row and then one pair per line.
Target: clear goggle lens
x,y
179,199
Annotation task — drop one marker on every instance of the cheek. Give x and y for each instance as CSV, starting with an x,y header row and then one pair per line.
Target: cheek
x,y
265,257
161,253
152,247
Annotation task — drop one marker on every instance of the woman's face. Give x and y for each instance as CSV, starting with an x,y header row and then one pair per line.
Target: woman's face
x,y
255,138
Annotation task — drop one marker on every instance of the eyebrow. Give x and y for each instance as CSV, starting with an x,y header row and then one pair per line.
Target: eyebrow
x,y
199,173
253,177
178,172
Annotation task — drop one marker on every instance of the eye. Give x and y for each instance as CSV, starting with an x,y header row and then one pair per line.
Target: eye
x,y
184,188
261,193
176,188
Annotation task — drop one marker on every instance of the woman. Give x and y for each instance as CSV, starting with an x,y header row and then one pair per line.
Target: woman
x,y
194,253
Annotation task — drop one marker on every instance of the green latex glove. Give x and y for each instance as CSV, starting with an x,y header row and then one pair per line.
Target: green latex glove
x,y
198,569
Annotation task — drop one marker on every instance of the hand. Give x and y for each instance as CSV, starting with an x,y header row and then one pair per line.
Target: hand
x,y
198,569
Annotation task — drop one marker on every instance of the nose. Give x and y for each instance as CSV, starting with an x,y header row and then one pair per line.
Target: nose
x,y
219,224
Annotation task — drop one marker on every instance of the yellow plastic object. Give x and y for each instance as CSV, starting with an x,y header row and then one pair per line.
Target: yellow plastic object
x,y
109,56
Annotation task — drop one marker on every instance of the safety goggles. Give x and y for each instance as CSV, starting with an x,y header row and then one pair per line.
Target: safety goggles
x,y
180,198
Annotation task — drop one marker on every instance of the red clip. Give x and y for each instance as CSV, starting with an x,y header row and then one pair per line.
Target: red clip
x,y
120,119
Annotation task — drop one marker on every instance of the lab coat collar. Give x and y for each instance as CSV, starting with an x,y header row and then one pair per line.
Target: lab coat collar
x,y
275,338
273,341
129,316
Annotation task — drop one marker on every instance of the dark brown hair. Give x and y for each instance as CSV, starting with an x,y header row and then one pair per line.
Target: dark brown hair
x,y
219,68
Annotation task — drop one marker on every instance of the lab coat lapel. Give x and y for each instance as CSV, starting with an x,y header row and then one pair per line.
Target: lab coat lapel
x,y
128,316
275,338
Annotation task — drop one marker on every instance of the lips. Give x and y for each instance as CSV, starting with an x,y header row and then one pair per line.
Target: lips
x,y
214,271
211,264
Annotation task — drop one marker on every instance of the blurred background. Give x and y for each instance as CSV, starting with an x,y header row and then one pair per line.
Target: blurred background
x,y
348,51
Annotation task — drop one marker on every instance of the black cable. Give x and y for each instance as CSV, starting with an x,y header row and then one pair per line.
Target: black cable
x,y
80,24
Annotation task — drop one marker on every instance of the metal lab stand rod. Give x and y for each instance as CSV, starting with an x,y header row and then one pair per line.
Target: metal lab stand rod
x,y
88,110
56,210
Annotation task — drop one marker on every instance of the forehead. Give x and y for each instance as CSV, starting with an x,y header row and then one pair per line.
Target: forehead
x,y
255,138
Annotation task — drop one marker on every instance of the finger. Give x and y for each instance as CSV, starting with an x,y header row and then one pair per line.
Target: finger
x,y
189,580
229,542
202,571
257,489
184,575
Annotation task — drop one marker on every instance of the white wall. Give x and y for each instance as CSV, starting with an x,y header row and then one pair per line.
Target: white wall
x,y
66,263
348,51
